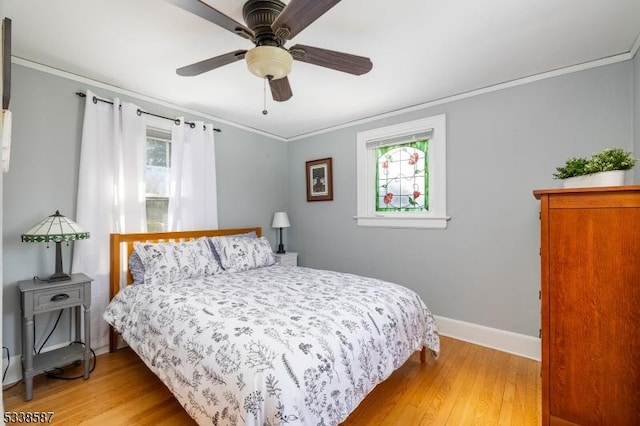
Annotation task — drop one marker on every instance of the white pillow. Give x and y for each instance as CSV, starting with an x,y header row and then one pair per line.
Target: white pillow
x,y
168,262
241,254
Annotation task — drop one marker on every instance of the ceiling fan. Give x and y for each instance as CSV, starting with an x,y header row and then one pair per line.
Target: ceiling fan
x,y
270,23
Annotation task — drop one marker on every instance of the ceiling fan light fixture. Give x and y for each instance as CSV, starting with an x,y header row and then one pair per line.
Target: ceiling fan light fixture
x,y
269,61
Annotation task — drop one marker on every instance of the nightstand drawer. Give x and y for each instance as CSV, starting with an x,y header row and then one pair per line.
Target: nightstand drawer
x,y
57,299
287,259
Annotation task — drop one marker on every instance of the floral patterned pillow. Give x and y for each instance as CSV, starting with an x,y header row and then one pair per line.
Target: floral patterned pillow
x,y
241,254
168,262
251,234
136,268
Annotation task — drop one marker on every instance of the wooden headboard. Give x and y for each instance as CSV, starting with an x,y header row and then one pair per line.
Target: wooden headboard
x,y
119,264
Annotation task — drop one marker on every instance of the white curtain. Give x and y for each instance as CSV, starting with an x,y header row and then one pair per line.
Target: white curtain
x,y
192,190
111,194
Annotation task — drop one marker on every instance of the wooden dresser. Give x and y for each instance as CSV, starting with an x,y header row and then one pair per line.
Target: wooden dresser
x,y
590,256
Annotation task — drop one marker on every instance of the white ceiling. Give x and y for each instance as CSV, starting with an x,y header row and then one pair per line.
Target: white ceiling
x,y
422,50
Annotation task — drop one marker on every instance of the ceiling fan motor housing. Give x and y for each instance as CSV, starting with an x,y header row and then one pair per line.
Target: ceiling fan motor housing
x,y
259,15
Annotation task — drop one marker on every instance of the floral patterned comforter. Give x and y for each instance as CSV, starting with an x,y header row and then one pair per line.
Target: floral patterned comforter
x,y
274,345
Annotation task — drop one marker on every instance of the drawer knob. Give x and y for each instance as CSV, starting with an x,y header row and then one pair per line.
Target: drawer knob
x,y
59,297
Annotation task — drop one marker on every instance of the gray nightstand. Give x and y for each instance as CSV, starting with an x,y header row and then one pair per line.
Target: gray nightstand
x,y
288,258
37,297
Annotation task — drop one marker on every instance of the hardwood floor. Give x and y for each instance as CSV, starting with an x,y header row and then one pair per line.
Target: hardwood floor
x,y
467,385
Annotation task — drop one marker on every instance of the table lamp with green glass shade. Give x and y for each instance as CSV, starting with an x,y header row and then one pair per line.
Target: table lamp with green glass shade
x,y
55,228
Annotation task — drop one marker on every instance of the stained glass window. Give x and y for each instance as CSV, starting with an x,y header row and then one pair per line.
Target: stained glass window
x,y
402,177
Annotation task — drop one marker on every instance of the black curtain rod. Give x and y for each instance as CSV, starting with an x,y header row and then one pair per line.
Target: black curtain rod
x,y
175,120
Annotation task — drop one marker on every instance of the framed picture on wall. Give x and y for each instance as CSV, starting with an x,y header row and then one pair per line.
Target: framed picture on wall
x,y
319,180
5,68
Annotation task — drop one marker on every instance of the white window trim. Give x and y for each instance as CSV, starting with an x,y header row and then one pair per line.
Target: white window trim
x,y
160,130
436,217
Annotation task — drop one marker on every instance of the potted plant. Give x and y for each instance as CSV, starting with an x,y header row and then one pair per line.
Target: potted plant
x,y
605,168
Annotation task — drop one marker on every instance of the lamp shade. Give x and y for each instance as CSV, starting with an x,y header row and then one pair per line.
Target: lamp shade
x,y
55,228
269,61
280,220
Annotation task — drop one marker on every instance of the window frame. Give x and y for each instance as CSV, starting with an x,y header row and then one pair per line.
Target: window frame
x,y
366,165
162,134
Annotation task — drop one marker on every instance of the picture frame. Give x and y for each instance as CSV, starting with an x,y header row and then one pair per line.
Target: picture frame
x,y
320,180
5,68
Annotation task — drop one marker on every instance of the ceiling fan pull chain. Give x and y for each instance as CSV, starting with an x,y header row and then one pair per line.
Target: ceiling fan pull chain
x,y
264,93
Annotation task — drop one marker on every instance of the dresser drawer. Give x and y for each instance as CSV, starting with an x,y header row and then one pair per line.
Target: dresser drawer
x,y
57,298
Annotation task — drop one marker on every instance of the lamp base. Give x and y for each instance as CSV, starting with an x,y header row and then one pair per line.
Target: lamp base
x,y
58,276
280,249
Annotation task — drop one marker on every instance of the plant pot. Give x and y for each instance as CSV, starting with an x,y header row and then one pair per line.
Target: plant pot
x,y
610,178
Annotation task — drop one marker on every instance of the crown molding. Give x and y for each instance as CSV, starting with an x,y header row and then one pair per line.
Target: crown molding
x,y
84,80
489,89
634,48
494,88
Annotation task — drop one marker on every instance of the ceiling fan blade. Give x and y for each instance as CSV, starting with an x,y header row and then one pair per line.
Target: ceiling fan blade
x,y
298,15
211,63
203,10
280,89
340,61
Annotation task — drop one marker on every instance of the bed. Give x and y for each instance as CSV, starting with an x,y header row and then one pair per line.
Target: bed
x,y
240,340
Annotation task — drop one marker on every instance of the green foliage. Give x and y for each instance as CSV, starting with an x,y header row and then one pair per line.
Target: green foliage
x,y
610,159
573,167
604,161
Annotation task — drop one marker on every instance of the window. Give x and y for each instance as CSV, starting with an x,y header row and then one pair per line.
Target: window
x,y
158,163
401,175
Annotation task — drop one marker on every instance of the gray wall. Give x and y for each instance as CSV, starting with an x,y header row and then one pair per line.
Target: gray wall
x,y
47,125
636,111
484,268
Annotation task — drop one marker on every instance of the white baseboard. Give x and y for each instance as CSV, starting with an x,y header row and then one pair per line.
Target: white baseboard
x,y
505,341
14,373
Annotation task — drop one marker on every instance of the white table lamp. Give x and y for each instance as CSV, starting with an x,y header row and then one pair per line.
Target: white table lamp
x,y
280,220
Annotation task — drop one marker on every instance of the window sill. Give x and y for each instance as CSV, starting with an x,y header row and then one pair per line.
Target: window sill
x,y
403,222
